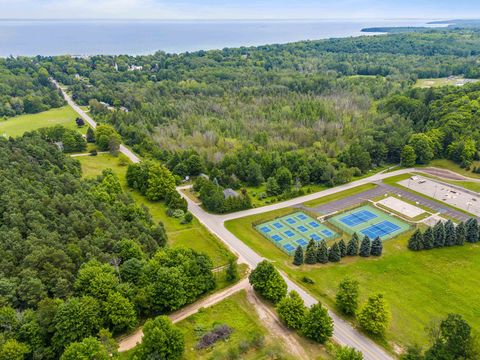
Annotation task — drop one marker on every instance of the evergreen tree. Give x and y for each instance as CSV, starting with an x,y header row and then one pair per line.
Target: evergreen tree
x,y
90,135
450,237
298,257
232,271
311,253
416,241
343,248
377,247
365,247
439,235
460,234
428,239
322,252
353,245
334,253
472,230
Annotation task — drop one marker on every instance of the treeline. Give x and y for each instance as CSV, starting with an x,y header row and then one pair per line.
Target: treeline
x,y
79,258
446,123
25,88
319,253
444,235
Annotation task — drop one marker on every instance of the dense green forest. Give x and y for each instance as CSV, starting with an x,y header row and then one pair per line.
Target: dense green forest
x,y
25,88
79,258
314,112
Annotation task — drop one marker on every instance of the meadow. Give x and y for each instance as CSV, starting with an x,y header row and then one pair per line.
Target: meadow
x,y
420,287
19,125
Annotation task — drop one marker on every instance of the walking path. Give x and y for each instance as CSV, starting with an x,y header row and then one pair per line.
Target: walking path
x,y
123,149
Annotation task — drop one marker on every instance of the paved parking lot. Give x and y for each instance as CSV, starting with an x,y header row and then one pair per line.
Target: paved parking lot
x,y
381,190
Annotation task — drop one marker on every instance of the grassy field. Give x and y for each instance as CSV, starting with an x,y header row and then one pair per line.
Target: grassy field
x,y
18,125
437,82
193,235
238,314
419,287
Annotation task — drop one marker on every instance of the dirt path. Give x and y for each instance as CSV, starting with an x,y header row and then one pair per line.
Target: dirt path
x,y
271,321
130,341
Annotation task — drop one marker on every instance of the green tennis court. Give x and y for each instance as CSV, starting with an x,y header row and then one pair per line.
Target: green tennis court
x,y
367,220
290,231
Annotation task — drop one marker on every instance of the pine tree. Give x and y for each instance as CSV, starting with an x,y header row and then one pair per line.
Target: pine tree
x,y
377,247
472,231
90,135
298,257
450,237
428,239
343,248
353,245
416,241
365,247
460,234
322,252
311,253
334,253
439,235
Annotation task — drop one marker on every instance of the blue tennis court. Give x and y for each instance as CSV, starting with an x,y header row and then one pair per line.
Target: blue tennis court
x,y
301,242
293,230
327,232
277,238
289,247
302,229
370,221
358,217
381,229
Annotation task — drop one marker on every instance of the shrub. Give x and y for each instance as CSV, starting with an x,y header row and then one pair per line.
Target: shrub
x,y
220,332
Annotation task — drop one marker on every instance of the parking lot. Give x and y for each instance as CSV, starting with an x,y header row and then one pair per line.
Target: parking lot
x,y
450,195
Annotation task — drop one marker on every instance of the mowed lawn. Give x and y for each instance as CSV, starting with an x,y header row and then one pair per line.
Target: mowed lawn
x,y
193,235
18,125
419,287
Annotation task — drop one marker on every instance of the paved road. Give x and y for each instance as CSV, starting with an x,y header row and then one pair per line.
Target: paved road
x,y
343,333
123,149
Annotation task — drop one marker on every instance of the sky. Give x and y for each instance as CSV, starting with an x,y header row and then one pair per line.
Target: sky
x,y
240,9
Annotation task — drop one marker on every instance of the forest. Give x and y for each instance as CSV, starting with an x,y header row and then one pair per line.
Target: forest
x,y
313,112
78,257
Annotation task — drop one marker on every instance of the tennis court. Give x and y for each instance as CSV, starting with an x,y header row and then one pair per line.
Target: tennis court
x,y
290,231
366,220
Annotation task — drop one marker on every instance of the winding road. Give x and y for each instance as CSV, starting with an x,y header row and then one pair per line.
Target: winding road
x,y
123,149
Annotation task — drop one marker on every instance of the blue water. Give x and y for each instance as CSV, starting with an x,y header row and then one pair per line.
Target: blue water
x,y
112,37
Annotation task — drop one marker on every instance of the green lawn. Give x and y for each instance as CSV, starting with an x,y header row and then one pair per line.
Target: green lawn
x,y
193,235
18,125
419,287
238,314
450,165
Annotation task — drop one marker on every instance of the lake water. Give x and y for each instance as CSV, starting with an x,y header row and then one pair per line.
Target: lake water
x,y
54,37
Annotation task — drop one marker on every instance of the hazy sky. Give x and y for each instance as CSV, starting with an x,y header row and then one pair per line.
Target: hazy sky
x,y
240,9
